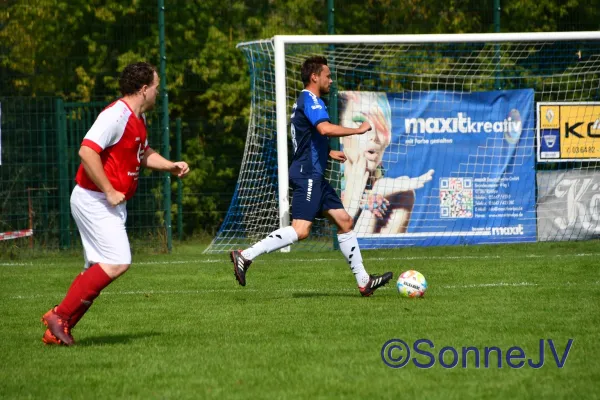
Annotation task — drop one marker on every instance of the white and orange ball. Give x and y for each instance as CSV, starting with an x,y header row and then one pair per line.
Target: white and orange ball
x,y
411,284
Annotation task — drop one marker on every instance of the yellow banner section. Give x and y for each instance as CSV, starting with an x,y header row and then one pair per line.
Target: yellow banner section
x,y
579,129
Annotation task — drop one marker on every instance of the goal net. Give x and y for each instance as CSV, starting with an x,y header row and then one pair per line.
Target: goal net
x,y
490,138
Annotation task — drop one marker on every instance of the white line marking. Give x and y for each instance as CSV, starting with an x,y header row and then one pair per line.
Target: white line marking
x,y
487,285
226,261
15,264
324,291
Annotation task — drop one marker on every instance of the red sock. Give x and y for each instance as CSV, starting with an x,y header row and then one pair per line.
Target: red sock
x,y
78,313
84,289
75,281
75,318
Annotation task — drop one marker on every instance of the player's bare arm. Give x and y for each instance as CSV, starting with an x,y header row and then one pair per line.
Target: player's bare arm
x,y
332,130
156,162
93,167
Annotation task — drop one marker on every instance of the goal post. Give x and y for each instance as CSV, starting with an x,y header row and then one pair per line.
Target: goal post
x,y
480,92
282,134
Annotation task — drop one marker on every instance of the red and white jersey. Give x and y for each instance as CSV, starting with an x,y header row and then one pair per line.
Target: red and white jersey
x,y
120,138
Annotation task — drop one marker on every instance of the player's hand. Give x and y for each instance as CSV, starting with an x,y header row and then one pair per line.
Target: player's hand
x,y
365,127
115,198
180,169
337,155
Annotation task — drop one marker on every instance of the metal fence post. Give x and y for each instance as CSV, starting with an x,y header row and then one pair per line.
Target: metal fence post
x,y
45,166
165,121
63,175
179,183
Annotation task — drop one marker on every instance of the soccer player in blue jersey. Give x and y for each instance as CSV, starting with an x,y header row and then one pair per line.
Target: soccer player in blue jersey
x,y
313,195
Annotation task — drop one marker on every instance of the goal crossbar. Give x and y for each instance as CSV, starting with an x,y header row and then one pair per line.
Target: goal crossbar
x,y
279,42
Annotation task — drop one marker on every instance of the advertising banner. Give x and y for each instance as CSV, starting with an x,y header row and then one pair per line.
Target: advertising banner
x,y
568,205
440,168
568,132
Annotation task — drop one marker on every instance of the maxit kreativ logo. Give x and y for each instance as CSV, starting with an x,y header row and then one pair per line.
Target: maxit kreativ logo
x,y
511,126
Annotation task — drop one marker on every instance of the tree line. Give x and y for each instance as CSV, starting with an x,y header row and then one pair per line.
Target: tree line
x,y
75,49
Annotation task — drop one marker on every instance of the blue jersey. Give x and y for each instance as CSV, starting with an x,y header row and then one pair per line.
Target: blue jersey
x,y
311,149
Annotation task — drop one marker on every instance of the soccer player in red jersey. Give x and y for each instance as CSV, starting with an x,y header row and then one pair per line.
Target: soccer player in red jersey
x,y
112,153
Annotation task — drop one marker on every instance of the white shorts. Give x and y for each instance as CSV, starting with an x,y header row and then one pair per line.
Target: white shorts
x,y
101,226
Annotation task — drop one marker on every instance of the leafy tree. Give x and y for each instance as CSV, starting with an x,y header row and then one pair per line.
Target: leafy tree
x,y
76,48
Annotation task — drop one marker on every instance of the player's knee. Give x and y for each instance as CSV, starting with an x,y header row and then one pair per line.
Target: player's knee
x,y
115,270
345,224
302,233
120,270
124,268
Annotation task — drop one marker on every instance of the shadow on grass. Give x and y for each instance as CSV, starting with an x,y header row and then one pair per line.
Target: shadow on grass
x,y
314,294
115,339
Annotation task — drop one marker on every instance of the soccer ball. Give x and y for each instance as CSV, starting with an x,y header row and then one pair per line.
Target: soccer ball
x,y
411,284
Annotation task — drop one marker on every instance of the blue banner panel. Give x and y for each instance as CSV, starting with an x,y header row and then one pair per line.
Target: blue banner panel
x,y
443,168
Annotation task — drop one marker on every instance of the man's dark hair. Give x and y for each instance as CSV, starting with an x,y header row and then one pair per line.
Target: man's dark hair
x,y
312,65
134,76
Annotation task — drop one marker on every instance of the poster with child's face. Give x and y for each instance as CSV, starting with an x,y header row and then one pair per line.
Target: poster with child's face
x,y
440,168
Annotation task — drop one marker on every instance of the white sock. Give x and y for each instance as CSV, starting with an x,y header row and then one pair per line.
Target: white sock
x,y
350,250
280,238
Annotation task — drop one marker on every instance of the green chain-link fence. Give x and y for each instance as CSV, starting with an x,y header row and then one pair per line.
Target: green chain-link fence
x,y
42,136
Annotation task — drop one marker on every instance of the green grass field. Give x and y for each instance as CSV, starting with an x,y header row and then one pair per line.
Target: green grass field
x,y
179,327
